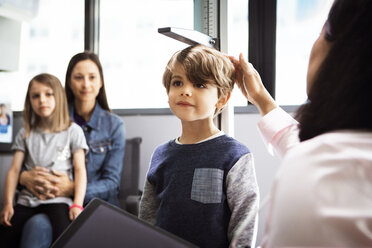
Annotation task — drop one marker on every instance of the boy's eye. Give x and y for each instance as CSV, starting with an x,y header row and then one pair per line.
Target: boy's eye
x,y
200,85
176,83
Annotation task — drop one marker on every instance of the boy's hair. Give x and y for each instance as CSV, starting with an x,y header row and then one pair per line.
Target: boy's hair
x,y
203,65
87,55
60,117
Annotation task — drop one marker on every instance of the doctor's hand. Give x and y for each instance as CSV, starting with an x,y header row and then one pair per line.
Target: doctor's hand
x,y
250,83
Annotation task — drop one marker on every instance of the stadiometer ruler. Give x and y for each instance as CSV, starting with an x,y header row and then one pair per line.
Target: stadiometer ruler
x,y
210,17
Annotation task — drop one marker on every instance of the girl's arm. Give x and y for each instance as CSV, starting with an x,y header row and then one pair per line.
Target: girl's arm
x,y
10,187
80,178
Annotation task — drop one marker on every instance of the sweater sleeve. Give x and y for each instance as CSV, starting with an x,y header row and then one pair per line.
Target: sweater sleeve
x,y
279,131
243,199
149,205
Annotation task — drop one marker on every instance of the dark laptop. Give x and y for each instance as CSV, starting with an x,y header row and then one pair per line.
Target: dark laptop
x,y
104,225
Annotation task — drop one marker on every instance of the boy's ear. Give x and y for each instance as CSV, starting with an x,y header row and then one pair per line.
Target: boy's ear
x,y
223,100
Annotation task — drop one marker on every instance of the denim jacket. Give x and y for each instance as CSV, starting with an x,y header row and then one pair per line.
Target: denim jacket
x,y
105,136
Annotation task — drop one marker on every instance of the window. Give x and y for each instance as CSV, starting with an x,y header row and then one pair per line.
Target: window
x,y
299,23
238,39
47,43
134,54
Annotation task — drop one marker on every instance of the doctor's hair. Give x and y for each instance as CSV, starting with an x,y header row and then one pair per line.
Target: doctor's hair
x,y
60,120
340,97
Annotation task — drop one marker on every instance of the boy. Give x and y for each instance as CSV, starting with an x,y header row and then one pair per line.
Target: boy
x,y
202,185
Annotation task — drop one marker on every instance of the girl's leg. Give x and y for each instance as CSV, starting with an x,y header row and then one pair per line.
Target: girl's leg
x,y
37,232
58,214
10,236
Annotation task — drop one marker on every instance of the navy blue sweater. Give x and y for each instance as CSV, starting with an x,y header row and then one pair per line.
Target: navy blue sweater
x,y
190,187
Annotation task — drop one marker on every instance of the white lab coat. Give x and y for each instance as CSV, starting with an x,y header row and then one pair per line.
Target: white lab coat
x,y
322,194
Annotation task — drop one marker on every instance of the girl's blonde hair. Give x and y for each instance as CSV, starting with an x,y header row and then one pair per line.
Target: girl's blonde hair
x,y
60,117
203,64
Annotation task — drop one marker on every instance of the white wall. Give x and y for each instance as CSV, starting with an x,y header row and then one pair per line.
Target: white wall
x,y
157,129
154,130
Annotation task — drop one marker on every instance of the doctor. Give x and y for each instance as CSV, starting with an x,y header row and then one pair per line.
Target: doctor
x,y
322,195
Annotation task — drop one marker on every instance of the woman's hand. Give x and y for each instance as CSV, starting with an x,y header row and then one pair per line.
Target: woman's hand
x,y
63,186
45,185
36,181
249,82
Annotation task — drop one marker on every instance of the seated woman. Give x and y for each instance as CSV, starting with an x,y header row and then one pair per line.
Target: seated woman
x,y
105,135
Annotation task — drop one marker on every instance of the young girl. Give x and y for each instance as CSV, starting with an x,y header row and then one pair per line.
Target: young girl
x,y
105,135
48,139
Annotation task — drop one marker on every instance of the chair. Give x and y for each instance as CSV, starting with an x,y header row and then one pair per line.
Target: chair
x,y
129,193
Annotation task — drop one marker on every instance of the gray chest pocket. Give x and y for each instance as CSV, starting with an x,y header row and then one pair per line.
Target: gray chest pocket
x,y
207,185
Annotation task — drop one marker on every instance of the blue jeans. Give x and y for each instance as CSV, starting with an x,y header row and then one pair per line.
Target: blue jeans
x,y
37,232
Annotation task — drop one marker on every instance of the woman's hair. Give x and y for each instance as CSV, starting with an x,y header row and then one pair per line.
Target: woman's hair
x,y
340,97
203,65
60,118
87,55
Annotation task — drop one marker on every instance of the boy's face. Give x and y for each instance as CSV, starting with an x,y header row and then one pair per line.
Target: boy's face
x,y
191,101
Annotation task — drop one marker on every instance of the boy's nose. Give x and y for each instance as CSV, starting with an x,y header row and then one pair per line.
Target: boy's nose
x,y
186,91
